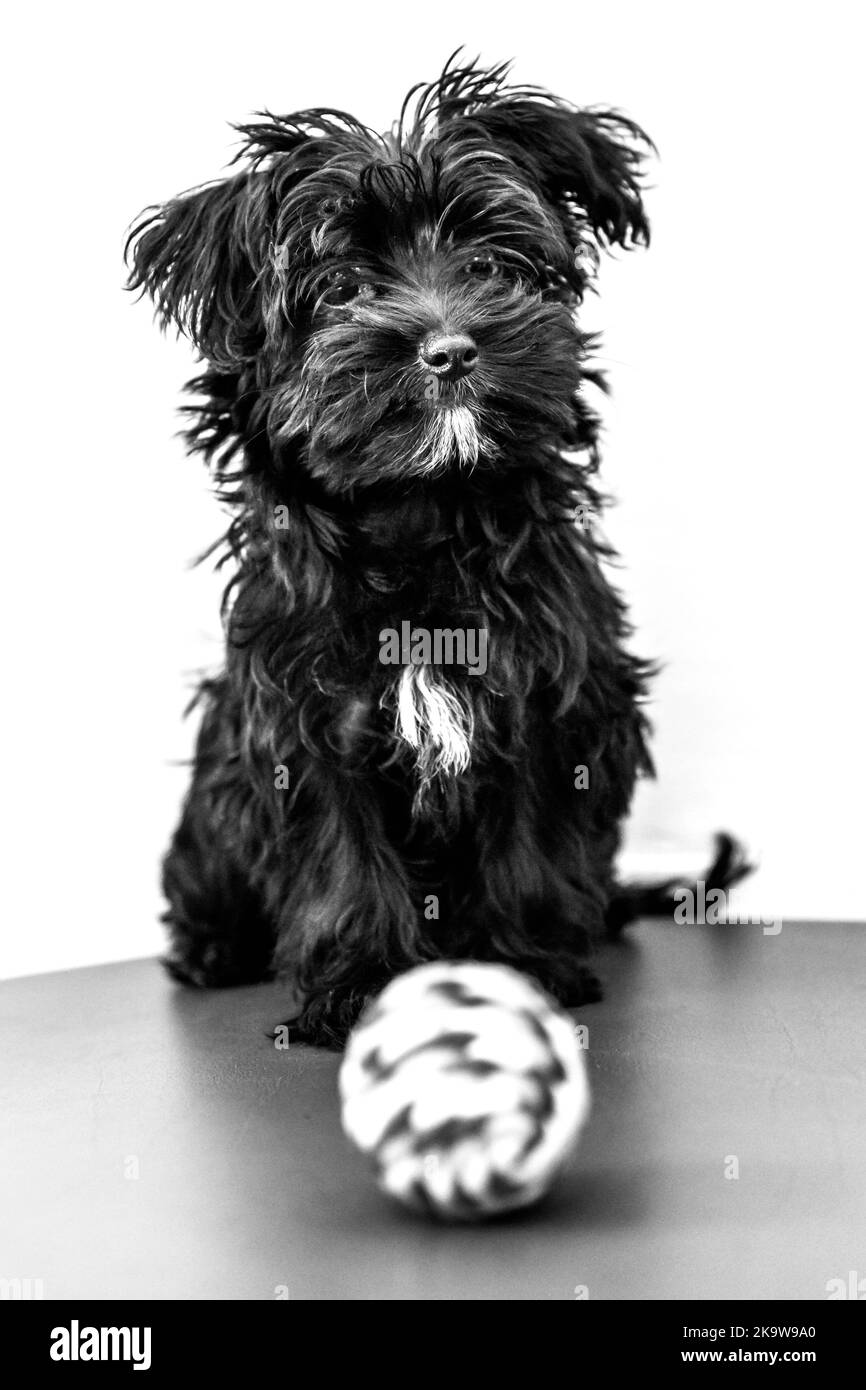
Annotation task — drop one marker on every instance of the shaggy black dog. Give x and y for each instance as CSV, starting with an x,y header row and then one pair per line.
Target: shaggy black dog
x,y
428,728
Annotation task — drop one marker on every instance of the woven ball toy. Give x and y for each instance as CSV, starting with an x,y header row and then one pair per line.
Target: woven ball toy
x,y
467,1086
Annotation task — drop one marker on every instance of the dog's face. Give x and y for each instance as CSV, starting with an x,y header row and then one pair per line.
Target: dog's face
x,y
415,328
403,305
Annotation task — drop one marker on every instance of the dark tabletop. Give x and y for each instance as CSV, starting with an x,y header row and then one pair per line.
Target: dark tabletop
x,y
155,1143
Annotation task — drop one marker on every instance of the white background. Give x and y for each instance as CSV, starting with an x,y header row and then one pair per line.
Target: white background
x,y
734,438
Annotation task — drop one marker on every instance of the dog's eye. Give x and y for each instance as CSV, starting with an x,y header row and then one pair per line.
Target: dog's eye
x,y
482,267
342,287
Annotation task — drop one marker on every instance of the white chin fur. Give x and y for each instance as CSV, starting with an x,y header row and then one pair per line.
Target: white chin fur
x,y
452,430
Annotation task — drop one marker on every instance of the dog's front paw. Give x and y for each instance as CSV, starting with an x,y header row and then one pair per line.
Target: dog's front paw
x,y
326,1020
215,965
570,983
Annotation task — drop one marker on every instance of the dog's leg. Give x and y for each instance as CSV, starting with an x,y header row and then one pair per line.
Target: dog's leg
x,y
219,935
349,921
218,930
521,908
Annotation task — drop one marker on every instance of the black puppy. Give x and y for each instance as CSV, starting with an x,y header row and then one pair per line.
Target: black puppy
x,y
428,728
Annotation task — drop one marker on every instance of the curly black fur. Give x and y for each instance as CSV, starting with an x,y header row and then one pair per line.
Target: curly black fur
x,y
309,281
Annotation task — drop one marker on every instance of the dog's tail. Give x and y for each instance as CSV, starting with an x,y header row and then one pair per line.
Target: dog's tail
x,y
633,900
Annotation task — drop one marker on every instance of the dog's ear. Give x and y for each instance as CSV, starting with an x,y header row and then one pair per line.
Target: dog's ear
x,y
586,164
200,258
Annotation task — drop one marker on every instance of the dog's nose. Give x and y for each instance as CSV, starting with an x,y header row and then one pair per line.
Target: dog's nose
x,y
449,355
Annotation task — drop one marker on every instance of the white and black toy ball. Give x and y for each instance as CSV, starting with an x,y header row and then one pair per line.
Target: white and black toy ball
x,y
467,1086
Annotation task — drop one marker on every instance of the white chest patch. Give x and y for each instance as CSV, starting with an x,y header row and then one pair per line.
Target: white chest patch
x,y
435,721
